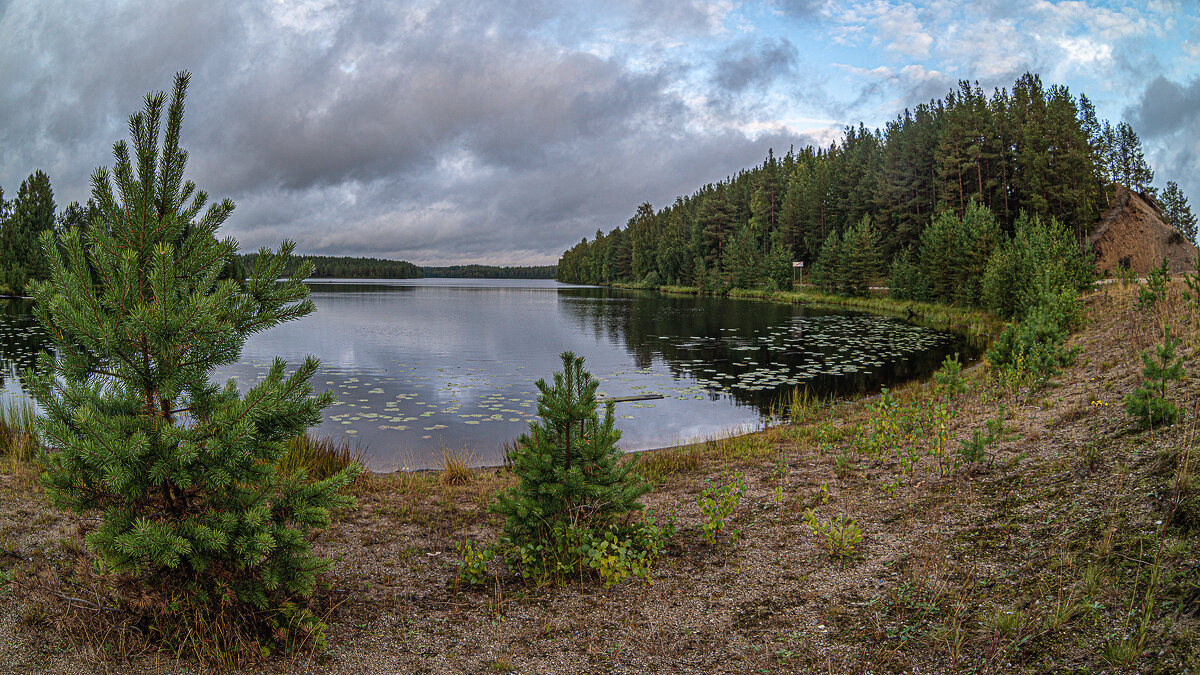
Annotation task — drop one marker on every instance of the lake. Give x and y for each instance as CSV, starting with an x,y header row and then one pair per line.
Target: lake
x,y
422,364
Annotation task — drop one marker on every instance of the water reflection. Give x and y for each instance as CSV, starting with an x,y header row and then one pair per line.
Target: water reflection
x,y
421,364
21,340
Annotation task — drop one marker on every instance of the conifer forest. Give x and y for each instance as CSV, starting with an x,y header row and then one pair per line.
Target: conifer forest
x,y
853,210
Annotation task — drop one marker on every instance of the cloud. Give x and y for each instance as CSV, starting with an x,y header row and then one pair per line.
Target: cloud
x,y
893,89
456,130
1167,116
900,29
754,64
1166,107
444,131
806,9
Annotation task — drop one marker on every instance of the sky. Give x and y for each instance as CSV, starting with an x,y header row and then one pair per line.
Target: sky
x,y
469,131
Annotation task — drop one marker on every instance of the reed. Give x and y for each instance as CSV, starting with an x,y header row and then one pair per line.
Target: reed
x,y
319,457
18,430
456,466
798,406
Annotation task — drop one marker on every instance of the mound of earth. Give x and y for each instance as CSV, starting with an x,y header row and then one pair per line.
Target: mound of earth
x,y
1132,234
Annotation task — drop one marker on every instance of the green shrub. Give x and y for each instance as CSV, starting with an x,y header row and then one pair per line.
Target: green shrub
x,y
1038,258
839,537
974,449
615,553
472,568
1036,345
948,379
1155,290
1148,404
717,503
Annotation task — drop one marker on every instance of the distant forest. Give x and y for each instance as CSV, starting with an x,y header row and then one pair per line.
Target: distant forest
x,y
492,272
327,267
342,267
1034,150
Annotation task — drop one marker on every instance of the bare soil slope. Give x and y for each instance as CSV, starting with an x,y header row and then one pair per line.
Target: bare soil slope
x,y
1132,234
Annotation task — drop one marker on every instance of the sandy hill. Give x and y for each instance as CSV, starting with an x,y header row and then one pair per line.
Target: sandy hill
x,y
1131,233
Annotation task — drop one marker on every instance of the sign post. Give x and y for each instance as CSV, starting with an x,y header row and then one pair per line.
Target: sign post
x,y
794,266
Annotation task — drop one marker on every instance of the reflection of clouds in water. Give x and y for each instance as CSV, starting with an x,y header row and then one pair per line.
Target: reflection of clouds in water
x,y
682,434
422,367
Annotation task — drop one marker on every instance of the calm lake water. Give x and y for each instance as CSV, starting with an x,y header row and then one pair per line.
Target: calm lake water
x,y
421,364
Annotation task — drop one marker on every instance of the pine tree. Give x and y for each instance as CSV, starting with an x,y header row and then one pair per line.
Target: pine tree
x,y
829,272
32,214
860,257
1177,212
1133,170
742,261
672,253
180,473
570,468
1148,403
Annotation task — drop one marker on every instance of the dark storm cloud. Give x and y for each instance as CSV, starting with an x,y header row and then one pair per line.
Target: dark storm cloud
x,y
1167,116
1166,107
447,131
69,73
751,64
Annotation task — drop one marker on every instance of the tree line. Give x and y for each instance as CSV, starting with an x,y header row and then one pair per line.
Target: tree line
x,y
33,211
1033,152
343,267
491,272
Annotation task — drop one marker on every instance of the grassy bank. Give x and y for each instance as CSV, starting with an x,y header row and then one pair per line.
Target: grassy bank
x,y
979,326
973,523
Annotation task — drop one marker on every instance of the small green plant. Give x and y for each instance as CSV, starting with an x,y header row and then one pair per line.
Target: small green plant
x,y
948,379
839,536
974,449
1192,281
615,554
472,569
717,503
1148,404
1155,290
624,553
780,471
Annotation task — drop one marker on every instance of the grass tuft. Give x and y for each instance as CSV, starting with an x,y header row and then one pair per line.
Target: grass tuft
x,y
319,456
456,466
798,406
18,432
